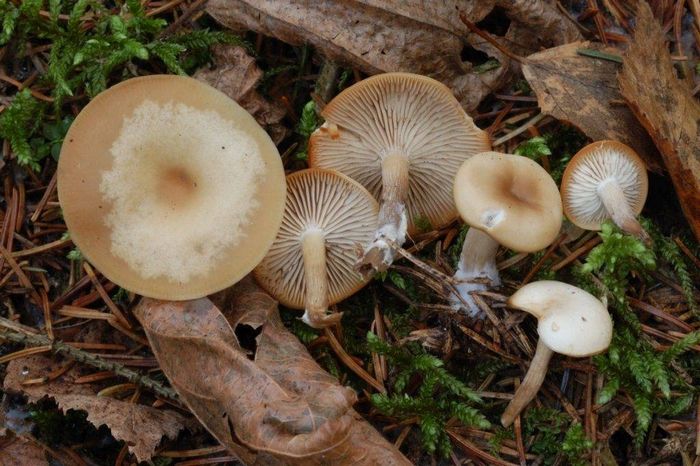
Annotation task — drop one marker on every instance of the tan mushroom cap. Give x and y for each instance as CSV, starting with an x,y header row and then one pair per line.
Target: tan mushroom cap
x,y
594,164
402,113
347,215
571,321
170,188
511,198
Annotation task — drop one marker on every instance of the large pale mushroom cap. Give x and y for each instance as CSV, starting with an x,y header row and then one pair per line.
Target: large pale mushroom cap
x,y
344,211
511,198
400,113
170,188
571,321
594,164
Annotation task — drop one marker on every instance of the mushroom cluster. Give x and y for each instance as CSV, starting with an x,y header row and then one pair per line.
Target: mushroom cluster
x,y
174,192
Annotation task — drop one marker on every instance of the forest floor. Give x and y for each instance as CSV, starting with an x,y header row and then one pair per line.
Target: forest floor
x,y
433,381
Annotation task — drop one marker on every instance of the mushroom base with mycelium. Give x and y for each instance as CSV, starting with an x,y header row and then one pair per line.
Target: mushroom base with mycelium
x,y
506,199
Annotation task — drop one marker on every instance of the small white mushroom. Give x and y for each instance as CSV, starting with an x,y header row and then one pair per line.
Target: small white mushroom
x,y
570,322
403,137
605,179
506,199
310,264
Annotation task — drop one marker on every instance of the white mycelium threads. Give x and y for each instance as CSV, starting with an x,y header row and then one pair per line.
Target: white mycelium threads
x,y
181,188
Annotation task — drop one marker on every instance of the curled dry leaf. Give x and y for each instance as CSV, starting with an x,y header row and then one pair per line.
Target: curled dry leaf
x,y
141,427
539,24
18,451
263,397
584,92
235,74
379,36
666,108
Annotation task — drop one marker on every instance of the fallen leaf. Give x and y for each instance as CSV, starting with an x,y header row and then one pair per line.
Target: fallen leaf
x,y
584,92
19,451
379,36
141,427
262,396
666,108
539,23
236,74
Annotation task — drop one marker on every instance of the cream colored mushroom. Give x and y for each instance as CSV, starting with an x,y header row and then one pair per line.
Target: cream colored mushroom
x,y
505,199
170,188
403,137
605,179
570,321
310,264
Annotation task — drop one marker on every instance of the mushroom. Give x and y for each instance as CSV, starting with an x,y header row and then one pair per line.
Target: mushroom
x,y
605,179
310,263
170,188
403,137
570,321
506,199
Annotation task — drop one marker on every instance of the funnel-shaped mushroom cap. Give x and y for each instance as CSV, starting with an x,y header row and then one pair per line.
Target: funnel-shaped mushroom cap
x,y
593,165
170,188
511,198
400,114
570,320
346,215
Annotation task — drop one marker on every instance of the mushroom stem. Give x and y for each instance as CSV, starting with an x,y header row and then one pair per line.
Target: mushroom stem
x,y
617,206
315,273
477,266
392,222
530,385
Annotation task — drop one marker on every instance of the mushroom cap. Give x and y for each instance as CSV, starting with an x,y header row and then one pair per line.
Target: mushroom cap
x,y
170,188
406,114
346,213
594,164
571,321
511,198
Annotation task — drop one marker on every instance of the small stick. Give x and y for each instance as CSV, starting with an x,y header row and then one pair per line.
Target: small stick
x,y
85,358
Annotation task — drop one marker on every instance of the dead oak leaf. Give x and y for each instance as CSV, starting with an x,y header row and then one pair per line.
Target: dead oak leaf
x,y
236,74
19,451
666,108
141,427
584,92
379,36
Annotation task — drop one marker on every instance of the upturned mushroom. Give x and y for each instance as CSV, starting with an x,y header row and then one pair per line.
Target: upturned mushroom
x,y
170,188
506,200
570,321
403,137
310,264
605,179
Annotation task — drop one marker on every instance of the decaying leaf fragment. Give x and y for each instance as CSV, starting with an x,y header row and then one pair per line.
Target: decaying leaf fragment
x,y
140,426
235,74
379,36
264,398
584,92
666,108
18,451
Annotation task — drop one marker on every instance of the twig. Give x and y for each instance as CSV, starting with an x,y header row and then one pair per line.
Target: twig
x,y
85,358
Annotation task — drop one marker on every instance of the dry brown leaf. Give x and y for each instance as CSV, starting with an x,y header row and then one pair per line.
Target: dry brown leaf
x,y
666,108
378,36
538,22
19,451
141,427
268,402
584,92
236,74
